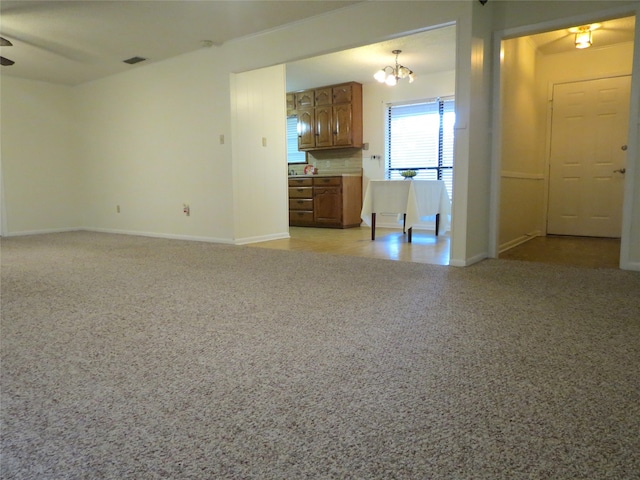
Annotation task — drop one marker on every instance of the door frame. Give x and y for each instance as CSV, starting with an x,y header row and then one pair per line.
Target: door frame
x,y
633,132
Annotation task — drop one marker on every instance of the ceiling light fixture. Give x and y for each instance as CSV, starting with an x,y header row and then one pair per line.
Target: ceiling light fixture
x,y
390,75
584,38
584,35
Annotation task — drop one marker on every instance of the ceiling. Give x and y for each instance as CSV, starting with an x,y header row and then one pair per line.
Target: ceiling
x,y
72,42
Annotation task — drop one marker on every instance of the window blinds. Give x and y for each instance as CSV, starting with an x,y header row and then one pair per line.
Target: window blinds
x,y
420,137
293,155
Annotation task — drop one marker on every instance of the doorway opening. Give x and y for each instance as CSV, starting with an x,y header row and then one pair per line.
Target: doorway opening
x,y
435,78
561,167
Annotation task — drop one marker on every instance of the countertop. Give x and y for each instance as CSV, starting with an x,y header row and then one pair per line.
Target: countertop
x,y
327,175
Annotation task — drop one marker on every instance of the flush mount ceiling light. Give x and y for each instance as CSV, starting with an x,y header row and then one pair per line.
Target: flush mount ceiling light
x,y
584,35
390,75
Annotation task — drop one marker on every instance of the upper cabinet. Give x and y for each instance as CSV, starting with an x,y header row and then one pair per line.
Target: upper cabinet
x,y
329,117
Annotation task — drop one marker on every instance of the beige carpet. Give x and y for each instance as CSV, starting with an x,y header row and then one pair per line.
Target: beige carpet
x,y
131,357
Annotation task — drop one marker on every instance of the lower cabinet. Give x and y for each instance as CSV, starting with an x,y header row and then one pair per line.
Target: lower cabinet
x,y
301,202
334,201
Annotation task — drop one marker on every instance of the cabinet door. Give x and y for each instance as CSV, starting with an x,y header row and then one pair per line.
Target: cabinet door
x,y
342,94
305,99
327,205
342,125
324,126
323,96
306,128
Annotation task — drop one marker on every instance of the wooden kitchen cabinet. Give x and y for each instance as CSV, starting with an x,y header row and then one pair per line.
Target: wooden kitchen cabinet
x,y
306,128
331,201
330,117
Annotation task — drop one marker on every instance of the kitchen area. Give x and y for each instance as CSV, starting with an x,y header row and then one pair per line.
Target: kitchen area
x,y
326,190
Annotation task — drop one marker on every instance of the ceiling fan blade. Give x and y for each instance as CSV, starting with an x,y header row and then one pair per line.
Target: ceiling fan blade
x,y
52,47
6,62
4,42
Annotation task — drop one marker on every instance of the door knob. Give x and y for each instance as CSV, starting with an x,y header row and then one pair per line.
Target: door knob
x,y
620,170
623,148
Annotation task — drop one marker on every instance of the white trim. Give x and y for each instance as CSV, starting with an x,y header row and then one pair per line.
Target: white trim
x,y
522,175
519,240
3,208
633,158
631,266
262,238
469,261
43,232
160,235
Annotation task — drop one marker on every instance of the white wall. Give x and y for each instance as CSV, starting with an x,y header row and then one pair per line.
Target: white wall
x,y
39,164
260,200
522,161
150,142
472,167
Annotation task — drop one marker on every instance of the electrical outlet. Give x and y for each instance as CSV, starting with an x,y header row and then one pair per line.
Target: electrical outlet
x,y
117,208
185,209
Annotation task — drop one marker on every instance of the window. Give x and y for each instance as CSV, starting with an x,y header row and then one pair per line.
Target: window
x,y
293,154
420,137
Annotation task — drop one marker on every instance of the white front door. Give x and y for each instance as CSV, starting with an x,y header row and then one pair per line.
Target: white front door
x,y
587,159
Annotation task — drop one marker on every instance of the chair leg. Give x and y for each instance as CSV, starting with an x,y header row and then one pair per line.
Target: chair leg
x,y
437,223
373,226
409,235
404,223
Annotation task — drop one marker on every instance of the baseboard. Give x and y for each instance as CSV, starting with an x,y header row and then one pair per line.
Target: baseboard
x,y
518,241
262,238
43,232
469,261
633,266
193,238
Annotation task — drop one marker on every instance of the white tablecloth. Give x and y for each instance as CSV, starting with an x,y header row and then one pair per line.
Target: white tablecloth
x,y
417,198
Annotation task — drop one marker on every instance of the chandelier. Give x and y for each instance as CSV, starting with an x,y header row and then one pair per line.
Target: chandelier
x,y
390,75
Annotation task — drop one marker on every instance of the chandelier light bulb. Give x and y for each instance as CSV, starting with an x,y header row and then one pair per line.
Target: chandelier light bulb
x,y
380,76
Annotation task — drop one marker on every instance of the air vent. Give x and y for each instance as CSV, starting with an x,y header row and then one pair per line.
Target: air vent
x,y
134,60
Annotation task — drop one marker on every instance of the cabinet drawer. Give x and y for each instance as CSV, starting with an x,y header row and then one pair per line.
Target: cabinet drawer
x,y
300,192
300,182
300,204
300,217
326,181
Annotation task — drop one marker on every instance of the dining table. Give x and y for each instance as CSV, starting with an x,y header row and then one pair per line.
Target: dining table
x,y
412,200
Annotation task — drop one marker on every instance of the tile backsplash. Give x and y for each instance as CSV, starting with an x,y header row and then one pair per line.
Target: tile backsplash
x,y
333,161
